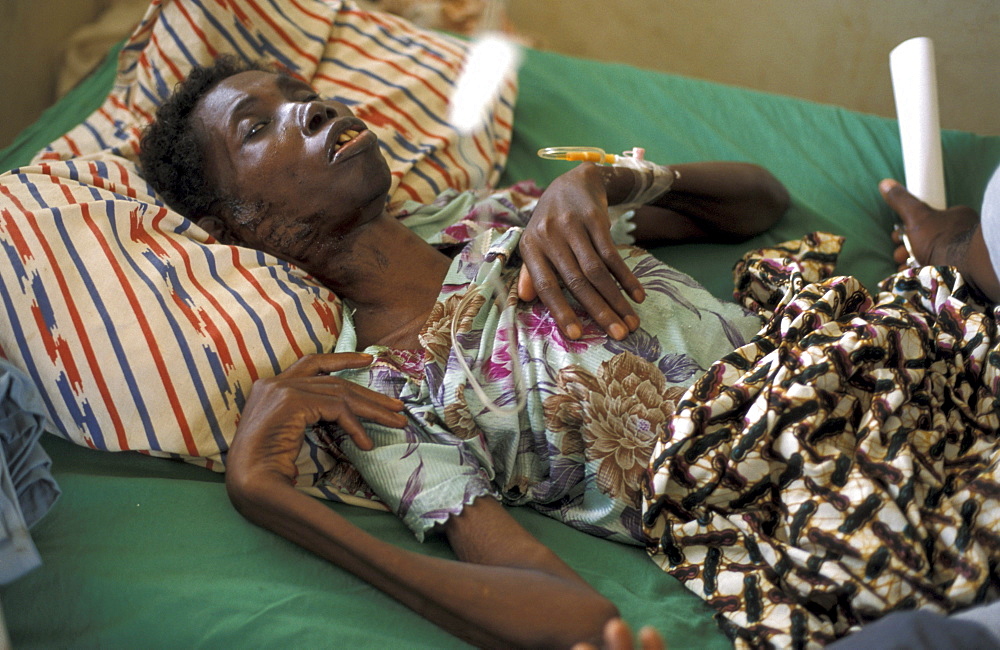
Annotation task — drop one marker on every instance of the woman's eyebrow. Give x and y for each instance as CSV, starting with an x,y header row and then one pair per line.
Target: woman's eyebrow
x,y
287,82
246,105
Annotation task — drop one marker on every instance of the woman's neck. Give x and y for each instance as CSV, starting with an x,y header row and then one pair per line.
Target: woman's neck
x,y
390,277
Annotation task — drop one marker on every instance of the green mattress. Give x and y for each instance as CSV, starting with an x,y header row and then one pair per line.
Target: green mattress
x,y
143,552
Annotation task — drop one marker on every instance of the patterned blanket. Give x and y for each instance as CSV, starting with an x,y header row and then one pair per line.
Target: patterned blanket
x,y
844,463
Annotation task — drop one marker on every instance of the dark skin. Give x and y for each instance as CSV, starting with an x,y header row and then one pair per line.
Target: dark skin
x,y
951,237
567,242
272,152
271,146
288,190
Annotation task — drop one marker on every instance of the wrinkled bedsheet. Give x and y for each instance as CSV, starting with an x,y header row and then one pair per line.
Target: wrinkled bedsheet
x,y
844,463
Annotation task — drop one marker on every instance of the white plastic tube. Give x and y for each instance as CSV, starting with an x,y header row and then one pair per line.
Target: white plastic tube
x,y
914,84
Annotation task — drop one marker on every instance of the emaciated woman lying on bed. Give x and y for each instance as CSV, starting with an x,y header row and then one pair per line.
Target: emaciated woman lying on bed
x,y
757,477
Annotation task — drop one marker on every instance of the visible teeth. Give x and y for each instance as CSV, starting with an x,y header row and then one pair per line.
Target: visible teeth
x,y
346,135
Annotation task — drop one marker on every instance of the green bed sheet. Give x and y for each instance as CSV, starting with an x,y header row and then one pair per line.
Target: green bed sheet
x,y
831,159
143,552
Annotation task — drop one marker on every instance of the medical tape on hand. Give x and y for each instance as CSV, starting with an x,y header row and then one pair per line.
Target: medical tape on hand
x,y
650,181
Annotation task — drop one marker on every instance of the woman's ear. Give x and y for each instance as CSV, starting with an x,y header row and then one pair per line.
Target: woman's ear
x,y
217,228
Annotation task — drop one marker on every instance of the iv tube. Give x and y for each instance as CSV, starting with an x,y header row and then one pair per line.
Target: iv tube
x,y
577,154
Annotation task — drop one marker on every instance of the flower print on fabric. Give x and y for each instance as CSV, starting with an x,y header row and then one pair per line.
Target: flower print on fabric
x,y
459,217
500,364
458,419
570,433
679,368
617,415
410,362
435,335
542,325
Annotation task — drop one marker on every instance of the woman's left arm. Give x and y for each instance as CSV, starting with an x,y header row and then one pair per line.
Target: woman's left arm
x,y
568,240
723,202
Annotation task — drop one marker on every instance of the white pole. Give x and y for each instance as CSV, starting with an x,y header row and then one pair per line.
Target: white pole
x,y
914,84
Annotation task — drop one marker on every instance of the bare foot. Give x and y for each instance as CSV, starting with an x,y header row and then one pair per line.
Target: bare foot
x,y
937,237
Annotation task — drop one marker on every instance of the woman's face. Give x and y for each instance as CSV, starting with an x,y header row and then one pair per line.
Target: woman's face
x,y
302,170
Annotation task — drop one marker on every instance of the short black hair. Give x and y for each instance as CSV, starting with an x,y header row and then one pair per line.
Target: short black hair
x,y
170,151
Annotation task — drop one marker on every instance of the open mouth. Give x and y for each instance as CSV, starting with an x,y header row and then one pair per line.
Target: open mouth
x,y
344,138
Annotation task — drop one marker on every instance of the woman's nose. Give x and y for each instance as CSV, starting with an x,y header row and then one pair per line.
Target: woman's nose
x,y
315,116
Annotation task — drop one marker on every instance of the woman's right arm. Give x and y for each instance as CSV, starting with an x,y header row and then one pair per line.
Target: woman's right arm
x,y
507,590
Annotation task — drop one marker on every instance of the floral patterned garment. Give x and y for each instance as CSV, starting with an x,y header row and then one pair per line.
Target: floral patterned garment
x,y
844,463
578,447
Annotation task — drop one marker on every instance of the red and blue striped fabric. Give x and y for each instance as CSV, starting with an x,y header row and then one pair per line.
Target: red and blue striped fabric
x,y
142,332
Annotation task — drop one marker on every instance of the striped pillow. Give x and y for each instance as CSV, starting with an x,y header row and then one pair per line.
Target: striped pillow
x,y
394,76
141,331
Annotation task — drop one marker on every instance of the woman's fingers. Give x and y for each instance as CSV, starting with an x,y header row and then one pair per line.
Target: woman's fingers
x,y
525,285
603,264
279,410
650,639
544,284
598,294
299,397
315,364
618,636
330,399
568,243
334,386
333,397
594,278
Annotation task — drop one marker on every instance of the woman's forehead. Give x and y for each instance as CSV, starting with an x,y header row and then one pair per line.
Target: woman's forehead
x,y
257,81
232,92
242,91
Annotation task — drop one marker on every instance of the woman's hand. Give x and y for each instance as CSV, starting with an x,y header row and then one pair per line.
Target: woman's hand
x,y
568,242
618,636
470,598
569,238
280,409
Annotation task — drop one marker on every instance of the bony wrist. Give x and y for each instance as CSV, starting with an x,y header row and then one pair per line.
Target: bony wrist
x,y
649,180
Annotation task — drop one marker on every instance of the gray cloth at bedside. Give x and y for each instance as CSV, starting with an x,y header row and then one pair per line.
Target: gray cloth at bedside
x,y
27,488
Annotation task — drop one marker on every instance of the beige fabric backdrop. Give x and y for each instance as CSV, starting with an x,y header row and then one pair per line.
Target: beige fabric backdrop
x,y
831,51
